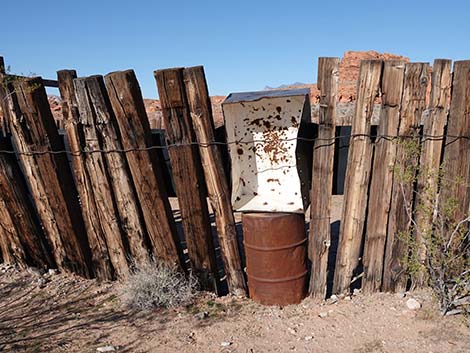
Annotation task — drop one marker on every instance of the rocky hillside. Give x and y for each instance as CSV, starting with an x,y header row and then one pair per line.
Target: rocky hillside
x,y
348,75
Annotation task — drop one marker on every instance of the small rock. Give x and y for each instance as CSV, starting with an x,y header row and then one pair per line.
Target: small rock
x,y
401,295
226,344
292,331
35,271
108,348
41,282
332,300
413,304
52,271
202,315
356,291
323,314
308,338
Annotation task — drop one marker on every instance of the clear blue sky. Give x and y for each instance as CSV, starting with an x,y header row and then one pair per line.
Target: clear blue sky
x,y
243,45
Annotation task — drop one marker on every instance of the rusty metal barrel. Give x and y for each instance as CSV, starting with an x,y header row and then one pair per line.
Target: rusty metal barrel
x,y
276,257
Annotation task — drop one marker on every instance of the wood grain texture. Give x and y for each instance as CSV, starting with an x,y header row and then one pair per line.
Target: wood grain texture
x,y
127,203
218,189
380,192
357,177
322,176
19,220
456,152
187,172
431,153
96,232
413,104
49,176
146,166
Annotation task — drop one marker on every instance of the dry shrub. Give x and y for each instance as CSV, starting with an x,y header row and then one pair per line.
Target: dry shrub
x,y
154,284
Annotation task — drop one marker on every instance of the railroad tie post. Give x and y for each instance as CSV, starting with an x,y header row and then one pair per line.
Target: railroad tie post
x,y
97,228
431,151
413,103
187,174
145,165
456,155
48,175
218,189
357,176
322,176
382,177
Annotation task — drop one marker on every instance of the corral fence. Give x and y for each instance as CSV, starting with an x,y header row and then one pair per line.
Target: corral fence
x,y
98,202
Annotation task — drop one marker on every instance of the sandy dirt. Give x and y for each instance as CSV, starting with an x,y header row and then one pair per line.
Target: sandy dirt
x,y
65,313
70,314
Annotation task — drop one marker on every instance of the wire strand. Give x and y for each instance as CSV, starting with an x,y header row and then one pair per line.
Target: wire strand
x,y
331,141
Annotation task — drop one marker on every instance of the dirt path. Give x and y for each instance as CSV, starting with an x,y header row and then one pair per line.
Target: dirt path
x,y
69,314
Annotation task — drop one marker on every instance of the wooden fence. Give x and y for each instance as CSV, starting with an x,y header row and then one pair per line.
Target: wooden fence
x,y
99,203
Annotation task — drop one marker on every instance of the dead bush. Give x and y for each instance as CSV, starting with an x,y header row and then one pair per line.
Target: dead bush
x,y
154,284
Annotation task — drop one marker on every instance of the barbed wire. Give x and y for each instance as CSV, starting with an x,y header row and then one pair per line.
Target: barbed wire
x,y
329,141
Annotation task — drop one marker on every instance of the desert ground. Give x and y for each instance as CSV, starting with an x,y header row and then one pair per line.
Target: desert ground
x,y
62,313
57,312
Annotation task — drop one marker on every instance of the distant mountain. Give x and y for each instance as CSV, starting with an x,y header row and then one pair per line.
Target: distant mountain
x,y
295,84
348,75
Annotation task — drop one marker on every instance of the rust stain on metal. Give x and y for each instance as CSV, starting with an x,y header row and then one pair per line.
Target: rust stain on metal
x,y
276,257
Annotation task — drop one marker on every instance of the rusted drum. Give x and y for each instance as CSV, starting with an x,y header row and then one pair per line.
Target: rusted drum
x,y
276,257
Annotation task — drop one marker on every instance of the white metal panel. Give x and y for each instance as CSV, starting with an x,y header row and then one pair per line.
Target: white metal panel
x,y
263,153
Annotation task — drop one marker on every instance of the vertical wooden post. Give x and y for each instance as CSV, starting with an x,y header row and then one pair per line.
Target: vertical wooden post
x,y
145,165
357,176
48,175
187,173
431,151
380,192
456,153
28,244
4,111
217,186
124,190
96,231
407,157
322,176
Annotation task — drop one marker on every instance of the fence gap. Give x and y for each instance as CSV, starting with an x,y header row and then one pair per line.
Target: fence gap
x,y
322,176
357,176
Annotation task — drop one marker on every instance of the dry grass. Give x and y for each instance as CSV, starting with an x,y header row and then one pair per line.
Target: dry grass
x,y
154,285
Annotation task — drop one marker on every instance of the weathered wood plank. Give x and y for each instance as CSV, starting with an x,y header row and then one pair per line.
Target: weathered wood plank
x,y
413,104
217,186
4,111
95,230
322,176
357,177
456,174
187,171
48,175
431,150
380,192
122,184
146,166
19,220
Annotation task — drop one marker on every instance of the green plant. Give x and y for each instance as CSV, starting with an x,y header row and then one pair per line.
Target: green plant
x,y
438,250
